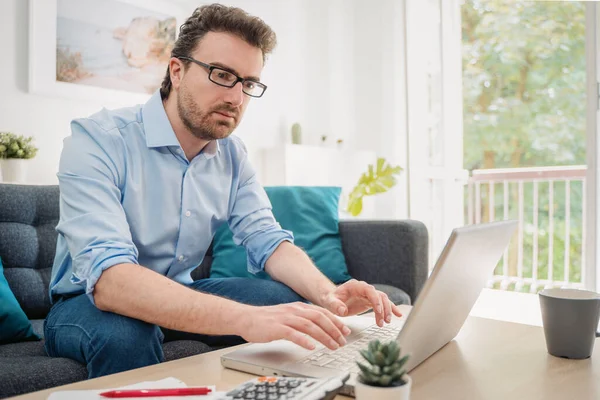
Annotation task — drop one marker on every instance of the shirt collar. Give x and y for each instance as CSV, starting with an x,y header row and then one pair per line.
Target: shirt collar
x,y
159,131
212,148
157,127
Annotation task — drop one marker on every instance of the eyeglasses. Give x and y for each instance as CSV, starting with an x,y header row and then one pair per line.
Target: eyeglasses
x,y
228,79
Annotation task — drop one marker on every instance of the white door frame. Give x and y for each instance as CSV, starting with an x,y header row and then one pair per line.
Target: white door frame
x,y
592,243
441,211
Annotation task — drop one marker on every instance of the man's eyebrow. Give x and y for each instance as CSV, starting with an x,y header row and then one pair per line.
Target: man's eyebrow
x,y
225,67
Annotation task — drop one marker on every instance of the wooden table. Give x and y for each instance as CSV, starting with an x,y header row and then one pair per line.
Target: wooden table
x,y
487,360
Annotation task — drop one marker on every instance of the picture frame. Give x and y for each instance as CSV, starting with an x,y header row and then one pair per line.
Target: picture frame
x,y
44,47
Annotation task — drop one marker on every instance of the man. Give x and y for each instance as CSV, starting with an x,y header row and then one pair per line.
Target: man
x,y
143,190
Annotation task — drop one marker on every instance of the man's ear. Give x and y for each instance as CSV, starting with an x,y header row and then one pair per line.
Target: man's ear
x,y
176,71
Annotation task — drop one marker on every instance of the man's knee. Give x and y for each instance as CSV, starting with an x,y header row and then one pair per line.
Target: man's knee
x,y
126,344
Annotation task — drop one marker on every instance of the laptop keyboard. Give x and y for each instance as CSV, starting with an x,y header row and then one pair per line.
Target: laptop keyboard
x,y
345,357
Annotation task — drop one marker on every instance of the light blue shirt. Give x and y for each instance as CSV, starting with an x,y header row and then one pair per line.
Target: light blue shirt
x,y
129,195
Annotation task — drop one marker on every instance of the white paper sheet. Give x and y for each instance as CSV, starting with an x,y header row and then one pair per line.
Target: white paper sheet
x,y
161,384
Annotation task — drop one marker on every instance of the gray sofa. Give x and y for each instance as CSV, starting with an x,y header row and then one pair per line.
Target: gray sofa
x,y
390,254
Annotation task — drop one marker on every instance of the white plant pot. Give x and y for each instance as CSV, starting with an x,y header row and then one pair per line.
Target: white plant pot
x,y
14,170
366,392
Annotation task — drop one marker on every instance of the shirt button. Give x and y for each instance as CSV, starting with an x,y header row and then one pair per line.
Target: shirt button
x,y
180,258
188,213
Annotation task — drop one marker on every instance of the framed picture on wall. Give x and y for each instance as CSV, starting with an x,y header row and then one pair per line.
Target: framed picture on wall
x,y
114,51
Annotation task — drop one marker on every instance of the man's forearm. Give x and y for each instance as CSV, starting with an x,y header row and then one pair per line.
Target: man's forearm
x,y
137,292
290,265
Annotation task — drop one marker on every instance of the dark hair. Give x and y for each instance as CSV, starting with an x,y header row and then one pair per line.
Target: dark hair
x,y
219,18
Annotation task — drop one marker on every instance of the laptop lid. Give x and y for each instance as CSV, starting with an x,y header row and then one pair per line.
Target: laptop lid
x,y
460,273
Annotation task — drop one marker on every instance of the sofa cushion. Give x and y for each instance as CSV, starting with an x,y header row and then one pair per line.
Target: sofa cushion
x,y
29,373
396,296
22,349
38,326
28,218
311,214
14,324
184,348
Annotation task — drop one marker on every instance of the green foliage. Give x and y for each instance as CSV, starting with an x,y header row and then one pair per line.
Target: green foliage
x,y
524,82
13,146
385,365
378,180
524,87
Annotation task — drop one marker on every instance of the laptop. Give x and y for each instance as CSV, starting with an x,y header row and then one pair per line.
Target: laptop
x,y
460,273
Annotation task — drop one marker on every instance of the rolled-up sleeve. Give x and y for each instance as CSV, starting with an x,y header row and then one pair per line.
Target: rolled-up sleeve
x,y
252,221
92,219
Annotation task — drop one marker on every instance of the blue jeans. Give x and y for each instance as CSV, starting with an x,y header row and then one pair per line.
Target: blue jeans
x,y
108,343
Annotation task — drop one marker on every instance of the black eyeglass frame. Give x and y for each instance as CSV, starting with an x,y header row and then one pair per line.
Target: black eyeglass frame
x,y
211,68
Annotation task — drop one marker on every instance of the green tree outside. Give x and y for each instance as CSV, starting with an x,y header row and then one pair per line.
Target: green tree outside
x,y
524,91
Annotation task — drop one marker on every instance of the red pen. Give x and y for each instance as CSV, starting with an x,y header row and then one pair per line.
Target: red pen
x,y
195,391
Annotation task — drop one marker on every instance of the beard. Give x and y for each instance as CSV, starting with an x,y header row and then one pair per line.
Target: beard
x,y
201,123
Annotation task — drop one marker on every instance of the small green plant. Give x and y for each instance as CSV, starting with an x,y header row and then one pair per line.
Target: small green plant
x,y
375,180
296,133
13,146
386,368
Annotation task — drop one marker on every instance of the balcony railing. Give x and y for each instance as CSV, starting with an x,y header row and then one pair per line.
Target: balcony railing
x,y
548,250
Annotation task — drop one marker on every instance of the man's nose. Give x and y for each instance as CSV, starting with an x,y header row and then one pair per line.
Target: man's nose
x,y
235,95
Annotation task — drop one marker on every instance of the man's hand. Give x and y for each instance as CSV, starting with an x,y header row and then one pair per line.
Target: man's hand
x,y
355,297
293,322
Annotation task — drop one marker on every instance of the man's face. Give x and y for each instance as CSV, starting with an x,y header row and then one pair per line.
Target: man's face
x,y
208,110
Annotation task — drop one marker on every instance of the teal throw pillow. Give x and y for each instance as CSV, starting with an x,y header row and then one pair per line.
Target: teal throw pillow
x,y
14,324
311,214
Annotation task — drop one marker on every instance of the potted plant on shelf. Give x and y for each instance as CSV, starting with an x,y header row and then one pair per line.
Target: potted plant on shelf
x,y
296,133
378,179
14,153
385,377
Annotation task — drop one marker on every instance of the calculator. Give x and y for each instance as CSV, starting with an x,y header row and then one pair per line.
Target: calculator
x,y
281,387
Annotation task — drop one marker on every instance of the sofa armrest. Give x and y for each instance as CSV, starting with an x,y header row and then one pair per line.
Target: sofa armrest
x,y
388,252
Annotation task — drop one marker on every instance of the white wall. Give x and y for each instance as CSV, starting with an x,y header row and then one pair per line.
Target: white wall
x,y
338,70
47,119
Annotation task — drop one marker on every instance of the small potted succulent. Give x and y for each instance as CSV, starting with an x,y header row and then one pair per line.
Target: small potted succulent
x,y
385,377
14,153
296,133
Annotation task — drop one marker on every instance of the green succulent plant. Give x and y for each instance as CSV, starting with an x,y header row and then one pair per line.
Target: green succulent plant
x,y
296,133
13,146
386,367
